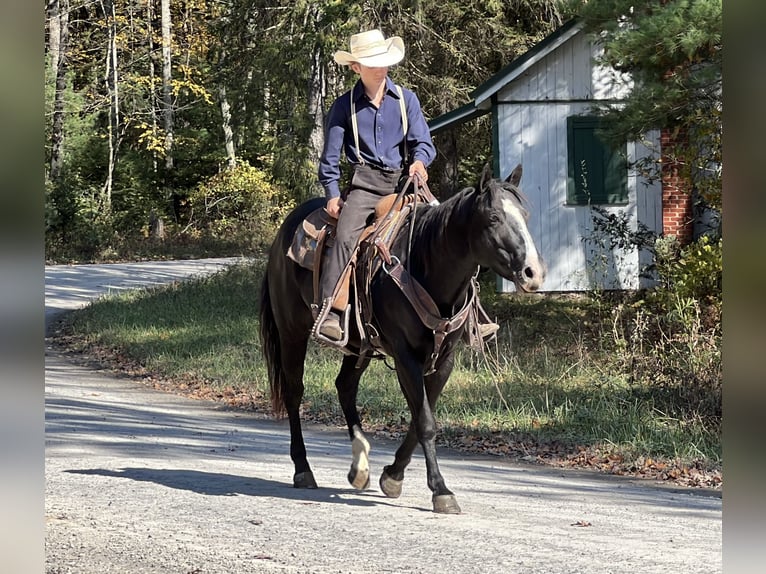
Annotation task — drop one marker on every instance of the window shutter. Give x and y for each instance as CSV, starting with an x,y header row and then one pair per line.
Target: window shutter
x,y
597,173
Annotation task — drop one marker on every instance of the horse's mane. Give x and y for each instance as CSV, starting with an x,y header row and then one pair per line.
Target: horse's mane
x,y
431,224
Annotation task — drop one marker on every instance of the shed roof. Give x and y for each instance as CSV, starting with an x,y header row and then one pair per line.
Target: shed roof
x,y
481,102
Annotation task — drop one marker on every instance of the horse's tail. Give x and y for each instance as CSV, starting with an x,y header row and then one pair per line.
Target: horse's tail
x,y
272,350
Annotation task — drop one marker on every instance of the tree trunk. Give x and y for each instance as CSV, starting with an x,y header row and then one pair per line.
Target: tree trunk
x,y
58,42
316,95
152,91
448,176
167,81
228,133
112,85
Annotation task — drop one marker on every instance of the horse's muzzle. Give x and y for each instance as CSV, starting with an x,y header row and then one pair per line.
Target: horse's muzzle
x,y
531,277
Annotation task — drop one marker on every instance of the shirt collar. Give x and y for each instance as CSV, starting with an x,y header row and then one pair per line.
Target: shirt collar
x,y
390,89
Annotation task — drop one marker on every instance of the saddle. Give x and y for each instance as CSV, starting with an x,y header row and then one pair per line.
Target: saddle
x,y
316,234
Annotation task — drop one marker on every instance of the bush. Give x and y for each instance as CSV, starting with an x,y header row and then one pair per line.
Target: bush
x,y
670,341
694,271
239,205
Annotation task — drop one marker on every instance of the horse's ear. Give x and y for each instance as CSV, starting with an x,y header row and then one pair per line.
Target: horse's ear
x,y
515,176
486,176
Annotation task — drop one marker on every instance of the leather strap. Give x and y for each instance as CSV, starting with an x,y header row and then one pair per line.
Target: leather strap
x,y
318,265
405,125
428,312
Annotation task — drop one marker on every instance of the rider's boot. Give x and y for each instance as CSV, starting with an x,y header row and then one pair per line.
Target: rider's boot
x,y
331,327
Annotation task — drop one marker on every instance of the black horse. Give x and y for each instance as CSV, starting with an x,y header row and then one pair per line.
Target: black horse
x,y
483,226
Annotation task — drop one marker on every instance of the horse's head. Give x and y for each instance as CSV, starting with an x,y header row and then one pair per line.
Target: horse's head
x,y
503,242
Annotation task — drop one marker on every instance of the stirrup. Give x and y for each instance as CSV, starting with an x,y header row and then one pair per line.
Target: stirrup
x,y
321,316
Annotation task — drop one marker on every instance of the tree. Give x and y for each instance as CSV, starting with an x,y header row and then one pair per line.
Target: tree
x,y
167,81
672,51
58,43
112,88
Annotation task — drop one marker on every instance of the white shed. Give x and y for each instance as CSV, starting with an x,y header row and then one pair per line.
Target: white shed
x,y
541,117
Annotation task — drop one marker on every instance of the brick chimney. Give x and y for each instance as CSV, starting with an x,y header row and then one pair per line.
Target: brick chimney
x,y
677,217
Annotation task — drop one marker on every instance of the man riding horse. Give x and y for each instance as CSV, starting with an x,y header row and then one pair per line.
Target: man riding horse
x,y
381,129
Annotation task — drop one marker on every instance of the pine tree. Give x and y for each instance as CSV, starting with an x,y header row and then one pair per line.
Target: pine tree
x,y
672,51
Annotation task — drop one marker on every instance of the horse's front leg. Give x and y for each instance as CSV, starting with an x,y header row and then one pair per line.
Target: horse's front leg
x,y
421,394
347,384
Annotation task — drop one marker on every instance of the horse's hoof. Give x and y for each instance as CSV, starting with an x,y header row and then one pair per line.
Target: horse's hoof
x,y
445,504
304,480
391,487
359,479
359,475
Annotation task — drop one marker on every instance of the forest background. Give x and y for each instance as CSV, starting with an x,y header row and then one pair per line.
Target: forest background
x,y
198,123
188,128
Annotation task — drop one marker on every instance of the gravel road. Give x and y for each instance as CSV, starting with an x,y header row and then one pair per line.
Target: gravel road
x,y
140,481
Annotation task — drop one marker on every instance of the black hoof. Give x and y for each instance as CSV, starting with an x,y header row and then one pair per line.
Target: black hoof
x,y
391,487
304,480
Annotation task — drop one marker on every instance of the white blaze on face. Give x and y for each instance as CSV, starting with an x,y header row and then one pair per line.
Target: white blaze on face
x,y
515,214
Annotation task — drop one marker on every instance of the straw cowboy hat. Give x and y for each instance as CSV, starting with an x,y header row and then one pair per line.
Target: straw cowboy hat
x,y
371,49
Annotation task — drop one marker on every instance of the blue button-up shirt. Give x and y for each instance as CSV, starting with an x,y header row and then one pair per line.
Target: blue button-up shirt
x,y
381,136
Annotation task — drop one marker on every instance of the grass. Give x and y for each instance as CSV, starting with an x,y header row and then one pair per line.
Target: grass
x,y
558,383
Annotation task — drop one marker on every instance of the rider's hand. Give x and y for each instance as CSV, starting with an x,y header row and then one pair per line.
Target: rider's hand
x,y
333,207
418,169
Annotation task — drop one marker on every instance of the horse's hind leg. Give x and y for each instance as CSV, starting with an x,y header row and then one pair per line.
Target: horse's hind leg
x,y
347,384
292,367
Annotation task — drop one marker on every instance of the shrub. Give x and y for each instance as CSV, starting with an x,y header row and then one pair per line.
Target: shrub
x,y
694,271
239,205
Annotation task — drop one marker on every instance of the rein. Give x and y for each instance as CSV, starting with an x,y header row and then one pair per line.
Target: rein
x,y
427,310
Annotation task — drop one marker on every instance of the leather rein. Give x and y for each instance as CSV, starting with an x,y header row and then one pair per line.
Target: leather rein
x,y
415,293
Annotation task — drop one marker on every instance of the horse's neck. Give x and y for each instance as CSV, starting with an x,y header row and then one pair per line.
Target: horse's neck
x,y
444,255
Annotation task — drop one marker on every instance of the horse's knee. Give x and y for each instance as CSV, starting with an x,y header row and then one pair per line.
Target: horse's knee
x,y
426,429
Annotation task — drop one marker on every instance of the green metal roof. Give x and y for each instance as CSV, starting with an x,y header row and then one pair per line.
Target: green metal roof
x,y
456,117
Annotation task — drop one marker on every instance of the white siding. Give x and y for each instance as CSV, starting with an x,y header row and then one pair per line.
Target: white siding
x,y
532,129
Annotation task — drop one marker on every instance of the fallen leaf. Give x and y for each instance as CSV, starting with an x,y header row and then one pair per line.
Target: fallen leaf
x,y
581,523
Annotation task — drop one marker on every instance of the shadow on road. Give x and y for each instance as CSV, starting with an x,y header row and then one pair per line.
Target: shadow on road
x,y
220,484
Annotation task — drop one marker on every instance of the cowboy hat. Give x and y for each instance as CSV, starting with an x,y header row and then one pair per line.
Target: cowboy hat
x,y
371,49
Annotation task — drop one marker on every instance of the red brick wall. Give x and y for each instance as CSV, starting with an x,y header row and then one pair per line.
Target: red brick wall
x,y
676,193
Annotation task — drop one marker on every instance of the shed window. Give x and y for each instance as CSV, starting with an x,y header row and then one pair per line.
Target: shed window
x,y
598,173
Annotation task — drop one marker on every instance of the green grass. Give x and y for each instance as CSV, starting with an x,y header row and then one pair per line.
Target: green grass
x,y
558,376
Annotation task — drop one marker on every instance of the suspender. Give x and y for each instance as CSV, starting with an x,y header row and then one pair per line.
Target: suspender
x,y
405,125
